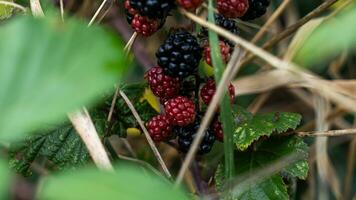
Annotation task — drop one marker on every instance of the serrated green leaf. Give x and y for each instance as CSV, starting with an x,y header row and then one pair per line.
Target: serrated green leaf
x,y
51,69
126,183
264,125
62,147
6,11
5,179
268,152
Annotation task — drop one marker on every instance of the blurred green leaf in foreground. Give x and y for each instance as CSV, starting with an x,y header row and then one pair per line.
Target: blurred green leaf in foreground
x,y
331,37
4,179
126,183
48,68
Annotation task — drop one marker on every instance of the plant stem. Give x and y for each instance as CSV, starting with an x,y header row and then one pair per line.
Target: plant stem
x,y
225,106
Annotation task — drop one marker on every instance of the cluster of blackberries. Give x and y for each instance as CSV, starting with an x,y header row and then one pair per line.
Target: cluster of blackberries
x,y
178,60
147,16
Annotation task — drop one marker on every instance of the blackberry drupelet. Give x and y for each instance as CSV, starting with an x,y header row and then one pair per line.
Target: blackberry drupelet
x,y
180,54
256,9
154,9
187,134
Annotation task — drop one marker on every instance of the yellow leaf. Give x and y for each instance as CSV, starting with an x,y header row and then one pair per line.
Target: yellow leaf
x,y
151,99
133,132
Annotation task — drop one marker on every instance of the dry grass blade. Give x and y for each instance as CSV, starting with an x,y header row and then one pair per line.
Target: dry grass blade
x,y
86,129
325,168
270,21
148,137
15,5
61,5
350,168
36,8
332,133
129,44
264,81
97,12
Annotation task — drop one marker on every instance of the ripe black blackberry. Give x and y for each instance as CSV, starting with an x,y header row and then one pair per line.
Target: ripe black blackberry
x,y
256,9
154,9
225,23
180,54
187,134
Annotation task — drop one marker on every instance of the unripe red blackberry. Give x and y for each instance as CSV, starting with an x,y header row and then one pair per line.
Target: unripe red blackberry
x,y
145,26
180,110
189,4
162,86
224,52
208,90
218,131
232,8
159,128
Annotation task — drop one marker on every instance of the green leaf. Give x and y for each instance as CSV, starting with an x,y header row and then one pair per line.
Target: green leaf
x,y
125,183
264,125
341,29
5,179
62,147
226,115
268,152
6,11
49,68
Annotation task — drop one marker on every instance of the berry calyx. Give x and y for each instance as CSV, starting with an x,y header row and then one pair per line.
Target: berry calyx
x,y
256,9
159,128
208,90
218,131
162,86
187,134
179,55
224,52
232,8
189,4
144,26
180,110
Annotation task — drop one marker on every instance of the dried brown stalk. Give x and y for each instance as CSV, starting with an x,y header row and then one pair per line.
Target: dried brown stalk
x,y
148,137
